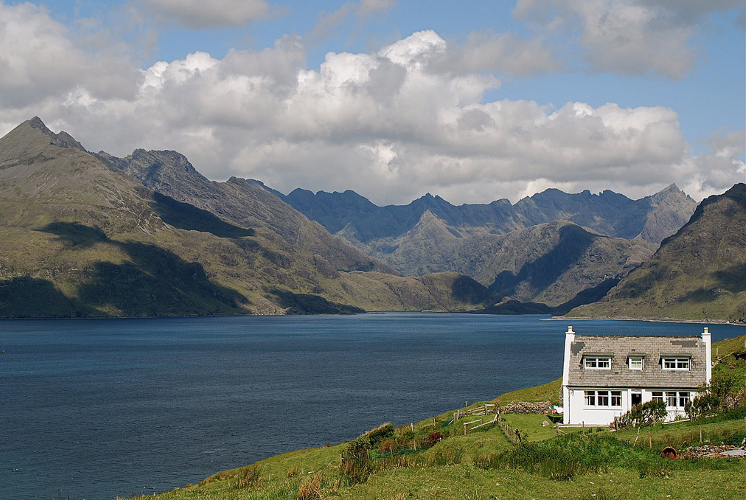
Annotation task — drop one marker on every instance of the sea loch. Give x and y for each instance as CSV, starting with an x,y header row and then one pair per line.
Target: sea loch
x,y
94,409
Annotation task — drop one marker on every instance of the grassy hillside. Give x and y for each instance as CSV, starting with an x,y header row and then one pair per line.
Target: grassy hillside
x,y
697,274
436,459
81,239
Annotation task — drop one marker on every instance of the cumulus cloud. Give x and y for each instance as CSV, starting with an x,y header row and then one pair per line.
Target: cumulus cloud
x,y
634,37
40,59
390,124
199,14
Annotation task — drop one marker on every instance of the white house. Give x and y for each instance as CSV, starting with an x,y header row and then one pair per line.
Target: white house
x,y
603,376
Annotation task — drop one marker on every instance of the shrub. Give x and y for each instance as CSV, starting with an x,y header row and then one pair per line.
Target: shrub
x,y
431,439
248,476
356,463
378,434
704,404
310,490
644,414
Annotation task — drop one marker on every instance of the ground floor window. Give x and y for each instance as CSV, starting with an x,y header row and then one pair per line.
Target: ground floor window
x,y
606,399
677,399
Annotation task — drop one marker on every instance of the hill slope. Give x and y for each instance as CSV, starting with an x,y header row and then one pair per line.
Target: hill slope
x,y
499,241
697,274
79,238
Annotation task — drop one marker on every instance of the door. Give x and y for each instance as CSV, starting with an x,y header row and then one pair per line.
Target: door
x,y
635,398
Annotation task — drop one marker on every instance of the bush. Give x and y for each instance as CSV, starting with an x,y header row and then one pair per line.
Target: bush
x,y
310,490
704,404
378,434
644,414
248,477
431,440
356,463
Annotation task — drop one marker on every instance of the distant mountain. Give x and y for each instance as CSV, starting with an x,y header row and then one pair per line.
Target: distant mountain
x,y
651,218
535,250
697,274
85,235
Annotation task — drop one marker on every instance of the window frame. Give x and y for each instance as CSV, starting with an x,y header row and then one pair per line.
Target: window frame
x,y
677,363
636,359
593,362
602,398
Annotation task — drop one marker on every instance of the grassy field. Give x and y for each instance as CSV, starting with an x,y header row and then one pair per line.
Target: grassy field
x,y
436,459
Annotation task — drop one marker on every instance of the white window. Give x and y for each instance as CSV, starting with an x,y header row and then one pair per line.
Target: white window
x,y
597,362
676,399
636,362
605,399
657,396
675,363
590,398
670,399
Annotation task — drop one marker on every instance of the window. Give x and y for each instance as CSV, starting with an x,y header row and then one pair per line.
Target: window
x,y
636,362
597,362
606,399
590,398
675,363
657,395
670,399
603,398
683,399
676,399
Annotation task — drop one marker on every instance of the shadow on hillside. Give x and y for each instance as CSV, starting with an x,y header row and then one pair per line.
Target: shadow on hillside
x,y
470,291
75,234
27,297
155,282
303,303
185,216
587,296
733,278
573,242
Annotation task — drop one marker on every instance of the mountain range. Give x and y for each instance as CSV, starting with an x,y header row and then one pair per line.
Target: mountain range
x,y
697,274
89,234
80,237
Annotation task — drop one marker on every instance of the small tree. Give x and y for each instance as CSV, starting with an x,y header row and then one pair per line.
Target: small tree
x,y
644,414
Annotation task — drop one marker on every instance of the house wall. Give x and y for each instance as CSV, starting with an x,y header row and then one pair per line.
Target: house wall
x,y
576,412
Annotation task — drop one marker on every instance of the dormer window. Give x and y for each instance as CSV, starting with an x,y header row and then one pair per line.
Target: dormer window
x,y
675,363
597,362
636,362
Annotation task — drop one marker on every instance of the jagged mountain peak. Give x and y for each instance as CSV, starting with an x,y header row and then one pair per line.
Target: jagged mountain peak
x,y
61,139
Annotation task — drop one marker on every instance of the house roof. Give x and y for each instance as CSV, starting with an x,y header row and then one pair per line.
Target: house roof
x,y
652,376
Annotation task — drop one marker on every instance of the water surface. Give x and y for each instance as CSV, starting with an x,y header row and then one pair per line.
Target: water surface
x,y
98,408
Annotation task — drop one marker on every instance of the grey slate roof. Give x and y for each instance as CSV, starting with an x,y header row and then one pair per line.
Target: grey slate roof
x,y
652,348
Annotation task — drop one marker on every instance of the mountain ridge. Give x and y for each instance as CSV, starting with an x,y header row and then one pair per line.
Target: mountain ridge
x,y
698,274
79,238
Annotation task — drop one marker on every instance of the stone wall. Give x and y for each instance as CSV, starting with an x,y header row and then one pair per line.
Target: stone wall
x,y
542,407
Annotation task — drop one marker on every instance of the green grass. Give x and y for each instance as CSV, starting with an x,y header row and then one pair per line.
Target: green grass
x,y
483,464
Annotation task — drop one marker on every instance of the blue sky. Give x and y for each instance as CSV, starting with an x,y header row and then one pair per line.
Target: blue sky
x,y
470,100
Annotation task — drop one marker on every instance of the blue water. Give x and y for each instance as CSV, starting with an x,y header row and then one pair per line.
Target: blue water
x,y
94,409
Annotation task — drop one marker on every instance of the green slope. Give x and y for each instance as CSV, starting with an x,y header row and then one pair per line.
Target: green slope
x,y
697,274
484,464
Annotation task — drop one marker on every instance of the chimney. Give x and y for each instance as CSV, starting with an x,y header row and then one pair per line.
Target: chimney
x,y
707,339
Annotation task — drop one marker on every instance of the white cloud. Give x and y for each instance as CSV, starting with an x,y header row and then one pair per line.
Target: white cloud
x,y
200,14
634,37
390,124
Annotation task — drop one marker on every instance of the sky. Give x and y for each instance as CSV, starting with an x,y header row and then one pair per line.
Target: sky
x,y
474,100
